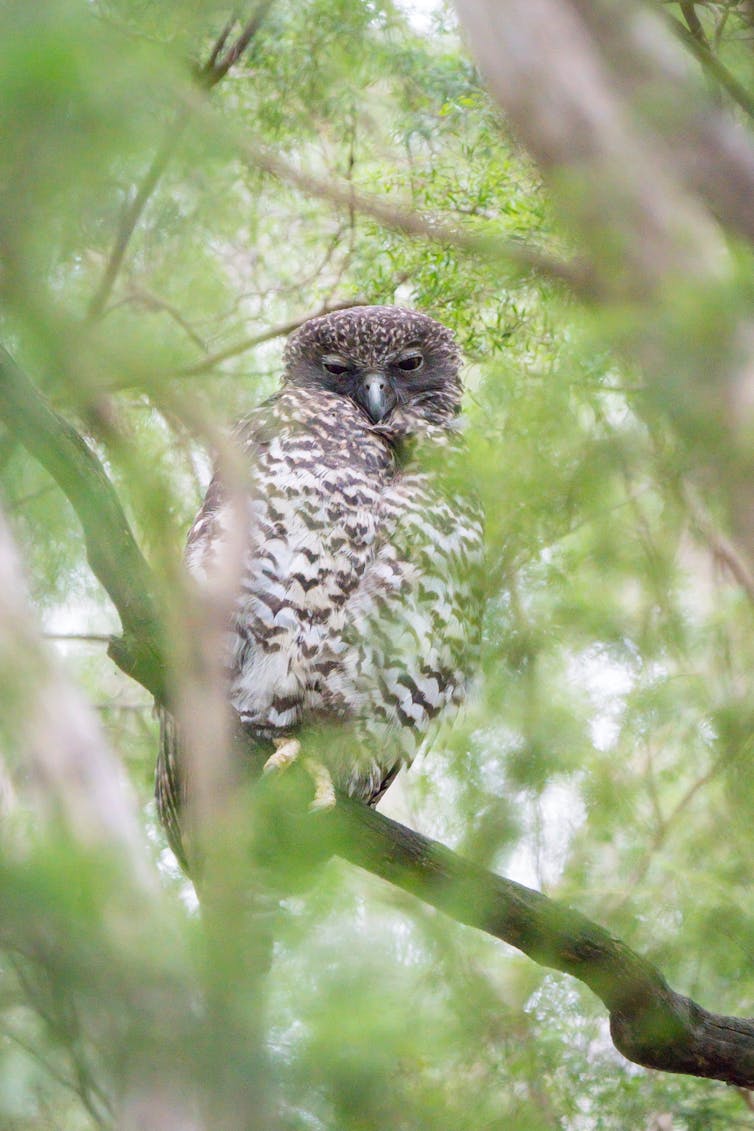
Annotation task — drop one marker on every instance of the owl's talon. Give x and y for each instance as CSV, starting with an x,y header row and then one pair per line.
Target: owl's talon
x,y
324,790
287,751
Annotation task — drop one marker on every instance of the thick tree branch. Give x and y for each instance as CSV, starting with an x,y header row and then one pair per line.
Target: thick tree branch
x,y
650,1023
112,551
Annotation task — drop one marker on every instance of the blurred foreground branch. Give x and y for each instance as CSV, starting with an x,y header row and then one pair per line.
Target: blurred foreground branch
x,y
67,760
85,993
113,554
650,1023
656,184
485,242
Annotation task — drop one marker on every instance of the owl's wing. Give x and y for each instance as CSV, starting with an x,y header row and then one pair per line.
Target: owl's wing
x,y
213,525
413,627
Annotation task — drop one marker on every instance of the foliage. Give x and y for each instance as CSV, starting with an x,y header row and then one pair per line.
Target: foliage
x,y
606,756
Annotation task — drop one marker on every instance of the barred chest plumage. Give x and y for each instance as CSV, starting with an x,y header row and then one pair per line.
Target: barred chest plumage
x,y
314,518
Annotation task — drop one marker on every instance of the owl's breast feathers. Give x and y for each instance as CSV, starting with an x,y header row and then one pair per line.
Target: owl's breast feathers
x,y
359,601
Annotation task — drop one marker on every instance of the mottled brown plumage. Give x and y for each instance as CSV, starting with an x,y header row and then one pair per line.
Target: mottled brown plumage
x,y
359,605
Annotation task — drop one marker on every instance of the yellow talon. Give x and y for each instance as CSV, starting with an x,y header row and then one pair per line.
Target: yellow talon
x,y
324,790
287,750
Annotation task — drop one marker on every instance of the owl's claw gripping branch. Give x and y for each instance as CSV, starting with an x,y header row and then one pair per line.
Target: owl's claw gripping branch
x,y
324,790
287,751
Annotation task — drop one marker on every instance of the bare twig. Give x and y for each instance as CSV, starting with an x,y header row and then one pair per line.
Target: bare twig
x,y
688,8
488,244
133,210
83,637
220,42
209,76
146,298
213,360
723,548
661,833
700,48
400,217
216,68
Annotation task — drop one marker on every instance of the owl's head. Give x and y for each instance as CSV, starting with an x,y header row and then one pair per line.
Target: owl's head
x,y
399,366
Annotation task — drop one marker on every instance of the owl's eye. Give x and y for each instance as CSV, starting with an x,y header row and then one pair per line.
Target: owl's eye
x,y
410,361
335,365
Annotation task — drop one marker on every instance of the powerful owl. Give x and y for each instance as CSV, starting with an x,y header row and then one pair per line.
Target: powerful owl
x,y
358,612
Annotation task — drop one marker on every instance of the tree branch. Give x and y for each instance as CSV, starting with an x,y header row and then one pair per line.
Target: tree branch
x,y
399,216
693,22
217,68
133,210
650,1023
54,737
722,547
212,360
113,554
700,48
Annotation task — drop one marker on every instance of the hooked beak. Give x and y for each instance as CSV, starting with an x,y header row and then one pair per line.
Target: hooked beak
x,y
376,395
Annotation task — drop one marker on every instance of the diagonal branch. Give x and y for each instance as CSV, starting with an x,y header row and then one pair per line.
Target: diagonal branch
x,y
410,223
700,48
693,22
401,218
212,360
398,216
112,551
650,1023
132,212
217,68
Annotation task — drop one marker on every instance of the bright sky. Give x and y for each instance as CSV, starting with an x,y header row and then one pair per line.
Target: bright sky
x,y
419,12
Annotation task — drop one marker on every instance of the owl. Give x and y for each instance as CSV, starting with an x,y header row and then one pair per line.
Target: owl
x,y
358,613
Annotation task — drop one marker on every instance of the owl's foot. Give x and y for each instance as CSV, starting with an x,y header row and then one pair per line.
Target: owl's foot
x,y
324,790
287,751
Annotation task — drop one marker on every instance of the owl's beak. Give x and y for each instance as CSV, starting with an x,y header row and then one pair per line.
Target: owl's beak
x,y
376,395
